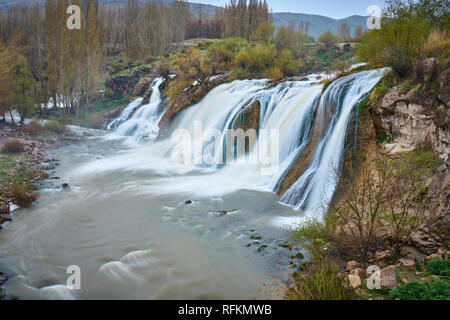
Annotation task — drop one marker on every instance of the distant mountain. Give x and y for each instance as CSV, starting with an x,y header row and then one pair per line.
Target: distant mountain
x,y
318,24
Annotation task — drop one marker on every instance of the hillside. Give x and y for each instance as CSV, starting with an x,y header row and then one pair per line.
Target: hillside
x,y
318,24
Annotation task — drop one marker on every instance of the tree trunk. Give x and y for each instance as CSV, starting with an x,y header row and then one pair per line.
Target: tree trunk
x,y
11,115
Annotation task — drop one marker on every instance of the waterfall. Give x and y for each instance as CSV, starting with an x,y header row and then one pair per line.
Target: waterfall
x,y
125,113
287,108
316,186
291,120
144,122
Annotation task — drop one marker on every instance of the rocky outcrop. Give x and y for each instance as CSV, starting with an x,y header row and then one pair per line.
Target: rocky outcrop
x,y
248,117
411,125
444,89
143,87
188,96
121,86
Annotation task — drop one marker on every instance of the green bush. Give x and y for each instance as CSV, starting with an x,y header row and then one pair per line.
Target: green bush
x,y
256,60
439,267
319,281
416,290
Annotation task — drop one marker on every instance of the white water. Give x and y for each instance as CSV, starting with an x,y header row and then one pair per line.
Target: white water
x,y
316,186
125,221
289,108
125,113
144,122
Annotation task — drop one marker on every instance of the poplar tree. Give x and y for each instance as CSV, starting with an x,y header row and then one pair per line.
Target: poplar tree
x,y
23,88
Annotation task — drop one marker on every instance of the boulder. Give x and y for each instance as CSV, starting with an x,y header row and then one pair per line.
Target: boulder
x,y
352,265
358,272
412,253
354,280
407,264
142,86
388,277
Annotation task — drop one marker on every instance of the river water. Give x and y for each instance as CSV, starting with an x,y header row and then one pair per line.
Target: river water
x,y
142,223
133,242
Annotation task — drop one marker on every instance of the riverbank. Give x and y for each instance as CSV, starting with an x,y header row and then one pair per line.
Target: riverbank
x,y
23,164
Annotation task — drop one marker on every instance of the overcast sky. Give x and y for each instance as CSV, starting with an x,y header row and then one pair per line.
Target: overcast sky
x,y
331,8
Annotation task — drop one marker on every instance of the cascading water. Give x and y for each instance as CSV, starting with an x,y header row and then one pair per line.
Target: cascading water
x,y
315,188
125,114
126,223
144,122
288,109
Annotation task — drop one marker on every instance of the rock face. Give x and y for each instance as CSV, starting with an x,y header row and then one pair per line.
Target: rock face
x,y
124,85
444,90
189,96
411,125
142,87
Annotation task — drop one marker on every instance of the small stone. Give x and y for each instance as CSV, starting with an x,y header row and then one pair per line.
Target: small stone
x,y
352,265
354,280
188,202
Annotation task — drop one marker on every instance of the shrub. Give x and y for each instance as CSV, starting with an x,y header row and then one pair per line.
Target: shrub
x,y
287,64
275,74
34,127
436,44
13,146
55,127
340,66
175,87
162,68
22,194
416,290
439,267
257,59
327,38
319,281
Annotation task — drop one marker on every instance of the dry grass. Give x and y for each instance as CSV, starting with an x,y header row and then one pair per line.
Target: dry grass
x,y
22,194
34,127
437,43
55,127
13,146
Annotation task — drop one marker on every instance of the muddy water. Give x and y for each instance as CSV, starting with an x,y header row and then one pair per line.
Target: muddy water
x,y
134,238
